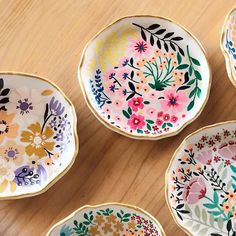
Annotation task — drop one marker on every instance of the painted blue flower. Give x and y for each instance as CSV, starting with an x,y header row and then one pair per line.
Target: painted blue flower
x,y
66,231
56,107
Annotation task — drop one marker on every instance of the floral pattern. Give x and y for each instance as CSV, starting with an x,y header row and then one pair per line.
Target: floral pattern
x,y
35,129
202,182
109,220
229,44
157,74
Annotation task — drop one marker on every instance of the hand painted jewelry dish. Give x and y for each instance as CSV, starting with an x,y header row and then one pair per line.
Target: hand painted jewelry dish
x,y
201,182
145,77
228,45
38,140
111,219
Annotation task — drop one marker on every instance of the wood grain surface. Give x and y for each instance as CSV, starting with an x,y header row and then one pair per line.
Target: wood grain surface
x,y
46,38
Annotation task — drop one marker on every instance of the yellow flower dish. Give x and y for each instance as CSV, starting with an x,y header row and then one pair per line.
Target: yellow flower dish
x,y
38,139
111,219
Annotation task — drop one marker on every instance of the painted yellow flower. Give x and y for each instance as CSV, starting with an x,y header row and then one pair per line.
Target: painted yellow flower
x,y
12,152
38,141
7,175
119,226
111,218
107,228
93,230
99,219
7,128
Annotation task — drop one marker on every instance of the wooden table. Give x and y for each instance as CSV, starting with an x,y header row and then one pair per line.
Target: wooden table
x,y
46,37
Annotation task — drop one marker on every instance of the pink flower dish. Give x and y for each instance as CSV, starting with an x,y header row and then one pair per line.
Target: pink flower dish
x,y
201,182
145,77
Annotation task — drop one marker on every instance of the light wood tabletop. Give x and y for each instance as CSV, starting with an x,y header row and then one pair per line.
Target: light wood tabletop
x,y
46,38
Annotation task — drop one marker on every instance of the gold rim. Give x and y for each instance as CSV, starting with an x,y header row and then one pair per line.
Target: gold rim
x,y
171,162
103,120
223,50
106,204
76,139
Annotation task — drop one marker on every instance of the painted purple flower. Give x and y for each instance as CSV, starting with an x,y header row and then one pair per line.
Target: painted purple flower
x,y
26,176
56,107
60,136
53,123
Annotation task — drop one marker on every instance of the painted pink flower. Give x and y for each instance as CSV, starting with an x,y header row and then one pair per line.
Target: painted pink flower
x,y
117,103
106,110
194,190
205,157
151,112
159,114
140,48
152,95
136,122
121,92
118,118
228,150
136,103
174,100
123,73
159,122
166,117
174,119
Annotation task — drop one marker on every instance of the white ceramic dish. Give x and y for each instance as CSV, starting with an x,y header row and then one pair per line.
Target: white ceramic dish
x,y
111,219
201,182
38,139
145,77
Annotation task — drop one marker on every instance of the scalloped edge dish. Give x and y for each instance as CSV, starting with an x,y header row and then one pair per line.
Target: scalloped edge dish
x,y
194,191
38,158
224,51
106,213
131,122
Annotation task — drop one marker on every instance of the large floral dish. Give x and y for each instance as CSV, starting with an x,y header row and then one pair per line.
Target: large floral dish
x,y
228,45
38,140
111,219
145,77
201,182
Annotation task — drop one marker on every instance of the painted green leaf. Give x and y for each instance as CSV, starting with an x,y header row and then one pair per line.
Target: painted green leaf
x,y
189,223
152,85
233,168
182,66
234,178
216,198
199,91
164,125
234,186
220,222
192,93
209,205
197,211
198,75
190,70
191,82
169,124
203,232
204,215
149,127
215,213
146,102
126,114
187,208
190,106
139,131
150,121
129,110
195,61
179,58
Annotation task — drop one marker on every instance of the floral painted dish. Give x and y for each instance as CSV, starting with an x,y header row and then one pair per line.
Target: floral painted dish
x,y
111,219
228,45
145,77
201,182
38,140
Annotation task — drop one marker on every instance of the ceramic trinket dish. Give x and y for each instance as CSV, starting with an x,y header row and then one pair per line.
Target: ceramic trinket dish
x,y
201,182
38,139
111,219
145,77
228,45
